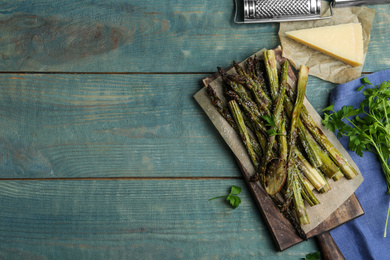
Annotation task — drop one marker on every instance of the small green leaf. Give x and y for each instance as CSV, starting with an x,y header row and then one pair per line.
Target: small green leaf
x,y
360,88
313,256
238,201
272,132
365,81
329,108
327,122
270,120
233,199
235,190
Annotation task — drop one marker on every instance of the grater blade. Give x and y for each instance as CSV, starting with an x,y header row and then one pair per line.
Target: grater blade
x,y
263,9
267,11
260,11
277,8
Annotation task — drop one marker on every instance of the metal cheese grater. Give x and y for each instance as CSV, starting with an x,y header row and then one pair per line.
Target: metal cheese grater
x,y
262,11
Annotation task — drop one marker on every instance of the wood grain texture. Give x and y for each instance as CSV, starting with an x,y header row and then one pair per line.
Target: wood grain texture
x,y
165,219
114,36
149,125
141,36
103,125
377,58
128,125
329,248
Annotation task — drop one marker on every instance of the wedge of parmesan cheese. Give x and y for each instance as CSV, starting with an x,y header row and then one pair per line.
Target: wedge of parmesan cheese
x,y
343,42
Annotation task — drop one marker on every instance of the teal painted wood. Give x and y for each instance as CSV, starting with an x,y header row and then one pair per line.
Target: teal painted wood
x,y
141,36
138,219
378,57
317,92
126,36
107,126
134,125
60,126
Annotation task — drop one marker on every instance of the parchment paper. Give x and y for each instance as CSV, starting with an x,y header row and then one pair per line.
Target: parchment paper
x,y
330,201
321,65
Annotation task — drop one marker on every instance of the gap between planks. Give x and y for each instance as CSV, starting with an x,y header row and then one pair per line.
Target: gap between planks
x,y
105,73
116,73
120,178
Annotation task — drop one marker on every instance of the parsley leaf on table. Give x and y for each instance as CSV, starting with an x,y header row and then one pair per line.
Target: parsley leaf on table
x,y
313,256
232,197
368,126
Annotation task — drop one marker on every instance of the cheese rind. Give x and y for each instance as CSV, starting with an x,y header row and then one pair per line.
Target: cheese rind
x,y
343,42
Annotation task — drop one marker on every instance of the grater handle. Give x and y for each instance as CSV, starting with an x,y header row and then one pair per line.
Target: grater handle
x,y
346,3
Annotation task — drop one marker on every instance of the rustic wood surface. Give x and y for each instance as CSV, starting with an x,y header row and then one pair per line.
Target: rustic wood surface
x,y
104,152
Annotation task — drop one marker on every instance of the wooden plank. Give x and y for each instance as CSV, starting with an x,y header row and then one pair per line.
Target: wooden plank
x,y
114,36
138,219
141,36
59,126
377,56
107,126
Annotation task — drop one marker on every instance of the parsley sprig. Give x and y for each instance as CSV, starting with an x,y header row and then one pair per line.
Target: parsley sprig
x,y
271,123
232,197
368,126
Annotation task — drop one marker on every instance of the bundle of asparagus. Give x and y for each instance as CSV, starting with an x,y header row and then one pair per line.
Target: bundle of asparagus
x,y
291,154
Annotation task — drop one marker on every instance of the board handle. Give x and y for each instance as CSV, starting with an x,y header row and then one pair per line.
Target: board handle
x,y
329,249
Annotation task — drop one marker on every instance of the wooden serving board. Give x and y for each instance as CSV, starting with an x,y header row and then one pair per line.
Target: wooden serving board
x,y
283,233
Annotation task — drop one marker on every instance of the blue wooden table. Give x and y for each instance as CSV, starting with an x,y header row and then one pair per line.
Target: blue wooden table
x,y
105,154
